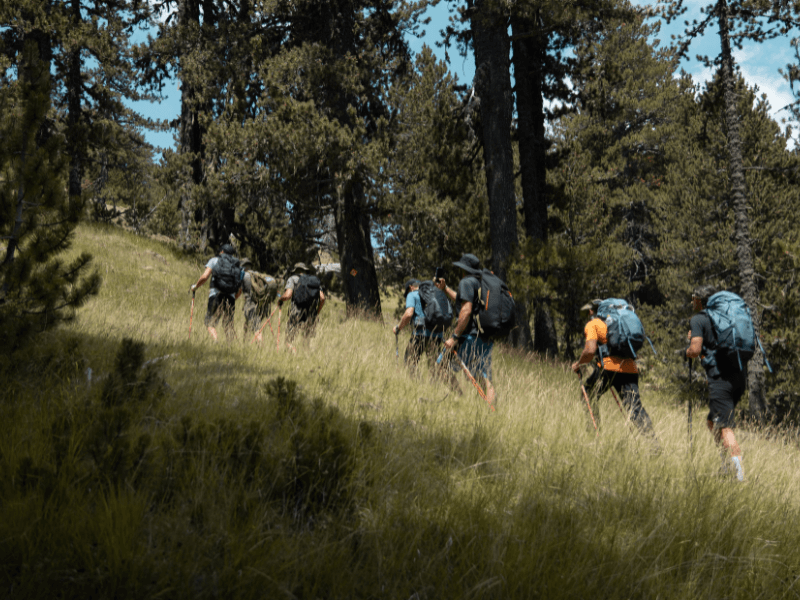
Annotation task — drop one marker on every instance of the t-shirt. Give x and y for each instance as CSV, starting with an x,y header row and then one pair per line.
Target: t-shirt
x,y
212,291
597,330
468,289
418,320
701,326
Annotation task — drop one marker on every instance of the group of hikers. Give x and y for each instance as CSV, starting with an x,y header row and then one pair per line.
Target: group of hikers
x,y
230,278
720,334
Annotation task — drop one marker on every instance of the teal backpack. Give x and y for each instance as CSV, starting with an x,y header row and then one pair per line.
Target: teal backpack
x,y
626,334
733,328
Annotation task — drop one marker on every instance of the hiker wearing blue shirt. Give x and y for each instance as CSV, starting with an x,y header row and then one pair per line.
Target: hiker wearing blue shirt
x,y
422,339
225,274
726,380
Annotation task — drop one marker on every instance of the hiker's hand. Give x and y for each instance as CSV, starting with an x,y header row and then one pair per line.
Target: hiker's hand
x,y
689,336
440,283
280,303
395,330
193,288
686,358
450,344
576,367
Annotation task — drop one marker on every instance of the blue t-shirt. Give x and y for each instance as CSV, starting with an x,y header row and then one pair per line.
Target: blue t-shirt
x,y
418,320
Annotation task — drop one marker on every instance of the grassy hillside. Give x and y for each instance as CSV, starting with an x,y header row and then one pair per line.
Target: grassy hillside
x,y
185,469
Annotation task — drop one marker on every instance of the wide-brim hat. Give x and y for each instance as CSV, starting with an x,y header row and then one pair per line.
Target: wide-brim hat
x,y
407,286
470,263
245,262
301,267
591,305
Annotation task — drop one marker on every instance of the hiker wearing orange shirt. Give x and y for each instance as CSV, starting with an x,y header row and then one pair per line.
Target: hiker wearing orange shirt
x,y
614,371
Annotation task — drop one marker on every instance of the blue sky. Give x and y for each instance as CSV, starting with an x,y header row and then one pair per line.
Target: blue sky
x,y
759,64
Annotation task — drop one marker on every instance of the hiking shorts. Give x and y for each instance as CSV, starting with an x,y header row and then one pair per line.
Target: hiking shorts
x,y
723,396
477,355
220,305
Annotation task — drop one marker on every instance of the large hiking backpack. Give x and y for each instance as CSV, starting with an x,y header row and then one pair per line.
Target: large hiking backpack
x,y
226,275
733,328
625,335
263,288
436,306
496,314
306,292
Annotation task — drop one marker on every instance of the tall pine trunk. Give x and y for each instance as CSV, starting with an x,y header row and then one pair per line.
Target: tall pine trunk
x,y
191,133
76,139
356,255
744,252
530,46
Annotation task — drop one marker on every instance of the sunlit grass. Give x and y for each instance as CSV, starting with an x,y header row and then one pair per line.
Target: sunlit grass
x,y
445,499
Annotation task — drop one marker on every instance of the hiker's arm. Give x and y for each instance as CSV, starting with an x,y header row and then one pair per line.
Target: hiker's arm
x,y
405,320
442,285
203,278
464,316
695,347
589,349
321,301
287,295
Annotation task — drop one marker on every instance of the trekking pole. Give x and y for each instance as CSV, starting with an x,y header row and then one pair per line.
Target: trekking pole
x,y
191,316
616,399
469,376
278,339
264,325
689,409
588,404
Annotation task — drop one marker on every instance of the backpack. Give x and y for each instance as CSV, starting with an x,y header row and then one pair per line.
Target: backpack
x,y
436,306
226,276
733,328
626,334
263,287
496,315
306,292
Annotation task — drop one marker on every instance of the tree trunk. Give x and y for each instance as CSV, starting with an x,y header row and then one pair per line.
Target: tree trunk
x,y
493,88
191,133
356,256
76,139
744,254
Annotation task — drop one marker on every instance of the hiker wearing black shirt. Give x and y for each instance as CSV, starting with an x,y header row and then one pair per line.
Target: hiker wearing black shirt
x,y
225,274
301,319
726,380
474,351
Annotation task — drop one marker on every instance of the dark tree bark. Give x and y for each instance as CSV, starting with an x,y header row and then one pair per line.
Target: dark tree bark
x,y
356,255
744,253
191,133
530,47
493,88
76,138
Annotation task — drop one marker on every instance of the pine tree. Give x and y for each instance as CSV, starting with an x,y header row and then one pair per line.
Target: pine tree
x,y
37,289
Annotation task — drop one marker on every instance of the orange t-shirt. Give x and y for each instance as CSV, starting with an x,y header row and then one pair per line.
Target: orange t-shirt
x,y
596,330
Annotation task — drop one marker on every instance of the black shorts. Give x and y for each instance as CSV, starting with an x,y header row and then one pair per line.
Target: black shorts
x,y
723,396
220,305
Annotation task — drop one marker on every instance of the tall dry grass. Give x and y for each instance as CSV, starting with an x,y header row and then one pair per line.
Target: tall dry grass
x,y
247,471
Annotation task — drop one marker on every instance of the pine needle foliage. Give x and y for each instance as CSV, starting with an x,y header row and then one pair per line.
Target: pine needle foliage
x,y
38,288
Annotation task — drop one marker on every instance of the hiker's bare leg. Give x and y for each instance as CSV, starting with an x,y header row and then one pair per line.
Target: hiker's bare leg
x,y
212,330
491,395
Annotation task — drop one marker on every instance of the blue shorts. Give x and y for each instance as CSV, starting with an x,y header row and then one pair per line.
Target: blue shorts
x,y
477,355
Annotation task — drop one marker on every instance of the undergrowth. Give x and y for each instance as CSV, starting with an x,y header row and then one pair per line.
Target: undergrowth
x,y
139,462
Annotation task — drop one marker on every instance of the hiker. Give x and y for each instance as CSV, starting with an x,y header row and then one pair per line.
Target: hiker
x,y
225,273
612,371
726,380
307,297
258,290
473,350
424,339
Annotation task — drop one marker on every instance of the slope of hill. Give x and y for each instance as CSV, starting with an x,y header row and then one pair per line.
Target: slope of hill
x,y
140,462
